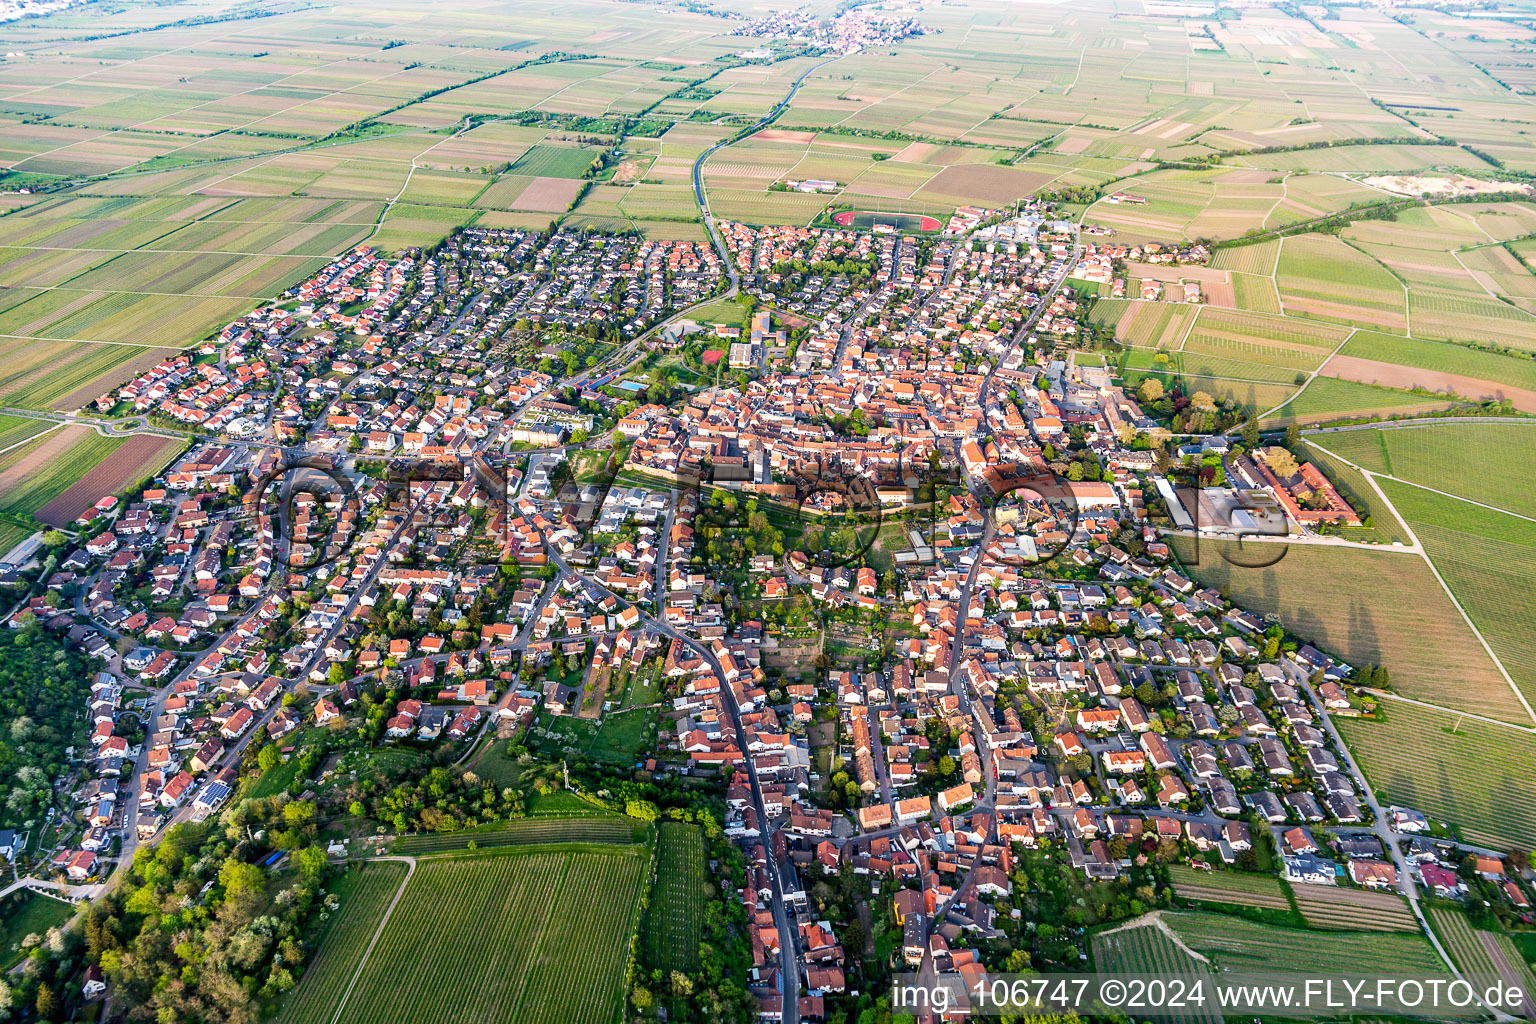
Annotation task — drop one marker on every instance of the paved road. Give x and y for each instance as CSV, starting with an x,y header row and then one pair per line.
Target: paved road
x,y
1381,826
789,949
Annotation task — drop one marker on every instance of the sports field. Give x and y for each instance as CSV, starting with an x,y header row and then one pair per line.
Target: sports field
x,y
865,220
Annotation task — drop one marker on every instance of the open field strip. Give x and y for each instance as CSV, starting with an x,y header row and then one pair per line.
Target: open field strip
x,y
1242,945
1438,761
34,474
1228,887
523,832
674,918
1404,621
1485,561
1340,909
1478,461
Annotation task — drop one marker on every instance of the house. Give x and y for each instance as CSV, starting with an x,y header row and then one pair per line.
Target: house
x,y
80,866
238,722
95,985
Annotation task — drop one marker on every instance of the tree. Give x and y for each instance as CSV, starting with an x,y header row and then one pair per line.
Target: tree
x,y
1150,389
54,538
241,881
312,861
267,758
1292,435
1202,401
642,809
946,766
337,675
1251,432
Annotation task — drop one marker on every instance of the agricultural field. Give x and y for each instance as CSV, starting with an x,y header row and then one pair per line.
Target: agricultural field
x,y
1147,949
28,913
15,429
1393,361
1220,204
1385,527
1326,399
1146,324
547,160
365,893
1488,559
68,375
1336,908
1477,460
583,828
526,937
123,464
1254,397
1241,945
1324,277
674,918
1243,890
34,474
1402,619
1255,258
1483,954
409,224
1437,761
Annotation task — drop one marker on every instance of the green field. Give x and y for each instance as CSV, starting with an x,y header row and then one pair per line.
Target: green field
x,y
1443,357
1340,909
1475,460
25,492
1368,608
1147,950
28,913
1440,763
548,161
574,828
1242,945
1488,559
1244,890
1475,950
674,919
1327,399
523,937
1351,484
364,893
1324,277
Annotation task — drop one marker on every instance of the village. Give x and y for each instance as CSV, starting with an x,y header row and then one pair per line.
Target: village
x,y
904,592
